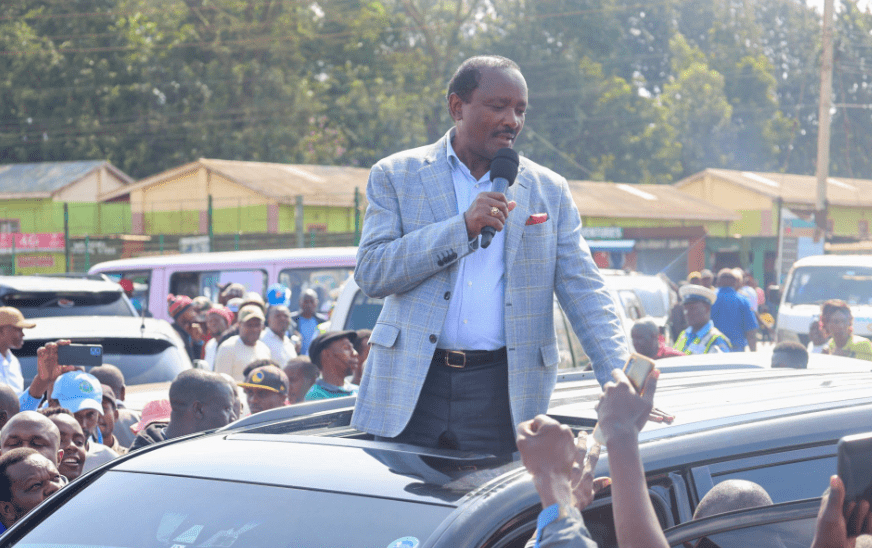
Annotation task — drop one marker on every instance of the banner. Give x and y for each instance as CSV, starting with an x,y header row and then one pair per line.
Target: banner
x,y
26,242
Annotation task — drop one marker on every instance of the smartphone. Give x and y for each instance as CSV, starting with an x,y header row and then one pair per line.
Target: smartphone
x,y
80,354
855,466
637,369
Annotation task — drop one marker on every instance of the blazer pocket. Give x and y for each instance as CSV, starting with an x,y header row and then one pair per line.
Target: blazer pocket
x,y
384,334
550,355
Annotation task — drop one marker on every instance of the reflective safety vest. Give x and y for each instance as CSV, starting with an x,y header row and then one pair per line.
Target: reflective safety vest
x,y
703,345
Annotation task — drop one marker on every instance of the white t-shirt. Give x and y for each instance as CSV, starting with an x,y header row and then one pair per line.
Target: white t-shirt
x,y
10,372
751,294
233,355
282,350
209,352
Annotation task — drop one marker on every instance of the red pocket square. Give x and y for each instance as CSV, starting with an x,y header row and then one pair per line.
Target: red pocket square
x,y
537,218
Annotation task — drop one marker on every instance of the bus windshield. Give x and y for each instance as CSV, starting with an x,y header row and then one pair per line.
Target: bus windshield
x,y
816,284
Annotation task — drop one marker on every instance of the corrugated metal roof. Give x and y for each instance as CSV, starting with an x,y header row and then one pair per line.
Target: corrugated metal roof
x,y
319,185
796,189
595,199
43,178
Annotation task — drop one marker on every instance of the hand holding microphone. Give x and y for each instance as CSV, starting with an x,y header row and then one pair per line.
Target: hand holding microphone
x,y
489,211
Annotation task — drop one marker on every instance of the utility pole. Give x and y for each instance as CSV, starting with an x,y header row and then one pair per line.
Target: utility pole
x,y
823,145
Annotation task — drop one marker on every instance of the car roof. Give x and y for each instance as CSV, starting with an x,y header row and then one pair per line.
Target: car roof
x,y
705,403
835,260
55,284
97,327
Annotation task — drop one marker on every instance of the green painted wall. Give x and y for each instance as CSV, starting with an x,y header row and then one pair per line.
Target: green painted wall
x,y
715,228
85,218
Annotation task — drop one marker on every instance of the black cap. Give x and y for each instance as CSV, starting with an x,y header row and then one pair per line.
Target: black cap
x,y
324,340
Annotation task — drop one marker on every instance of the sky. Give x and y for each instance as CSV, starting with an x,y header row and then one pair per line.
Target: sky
x,y
819,4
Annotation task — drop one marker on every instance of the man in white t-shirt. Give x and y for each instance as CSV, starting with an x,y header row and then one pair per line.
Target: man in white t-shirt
x,y
12,326
275,336
240,350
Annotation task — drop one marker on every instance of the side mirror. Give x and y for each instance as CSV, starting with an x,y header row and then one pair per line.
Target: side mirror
x,y
200,364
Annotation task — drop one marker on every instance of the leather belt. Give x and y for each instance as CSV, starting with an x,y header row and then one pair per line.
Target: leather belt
x,y
460,359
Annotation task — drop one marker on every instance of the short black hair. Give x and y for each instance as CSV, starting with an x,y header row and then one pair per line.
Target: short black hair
x,y
52,411
7,460
795,351
9,400
468,75
195,385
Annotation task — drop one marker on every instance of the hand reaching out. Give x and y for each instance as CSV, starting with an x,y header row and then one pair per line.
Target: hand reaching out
x,y
621,411
838,524
584,486
48,368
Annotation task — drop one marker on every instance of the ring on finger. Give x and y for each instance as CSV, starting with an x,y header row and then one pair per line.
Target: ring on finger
x,y
494,211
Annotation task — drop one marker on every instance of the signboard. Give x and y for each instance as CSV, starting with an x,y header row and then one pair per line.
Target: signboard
x,y
194,244
24,242
796,240
36,261
602,232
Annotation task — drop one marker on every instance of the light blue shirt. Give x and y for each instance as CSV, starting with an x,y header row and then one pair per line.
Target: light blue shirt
x,y
10,372
475,310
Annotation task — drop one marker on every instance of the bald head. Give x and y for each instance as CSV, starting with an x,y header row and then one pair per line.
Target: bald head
x,y
732,495
9,405
31,429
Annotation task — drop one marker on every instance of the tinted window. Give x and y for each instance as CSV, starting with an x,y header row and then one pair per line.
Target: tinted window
x,y
55,303
786,534
324,281
141,360
781,480
816,284
175,511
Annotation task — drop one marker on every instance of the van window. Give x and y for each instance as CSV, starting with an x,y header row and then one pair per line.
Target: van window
x,y
816,284
141,281
364,312
194,284
325,282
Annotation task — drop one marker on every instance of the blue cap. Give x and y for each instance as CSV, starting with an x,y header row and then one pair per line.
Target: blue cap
x,y
78,390
278,294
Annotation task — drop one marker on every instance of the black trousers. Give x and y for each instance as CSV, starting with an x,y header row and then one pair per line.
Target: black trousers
x,y
466,409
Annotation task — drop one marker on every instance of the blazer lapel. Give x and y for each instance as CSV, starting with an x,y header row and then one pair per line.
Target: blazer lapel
x,y
438,182
520,193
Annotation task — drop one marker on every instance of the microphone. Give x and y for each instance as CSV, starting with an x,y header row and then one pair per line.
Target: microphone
x,y
503,170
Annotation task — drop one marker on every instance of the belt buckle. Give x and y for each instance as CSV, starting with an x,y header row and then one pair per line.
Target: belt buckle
x,y
460,353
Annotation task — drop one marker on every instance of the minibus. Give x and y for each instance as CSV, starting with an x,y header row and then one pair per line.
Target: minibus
x,y
322,269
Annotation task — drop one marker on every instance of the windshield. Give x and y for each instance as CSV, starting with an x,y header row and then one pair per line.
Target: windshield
x,y
172,511
816,284
41,305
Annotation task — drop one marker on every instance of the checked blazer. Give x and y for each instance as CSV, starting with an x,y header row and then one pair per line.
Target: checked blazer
x,y
413,237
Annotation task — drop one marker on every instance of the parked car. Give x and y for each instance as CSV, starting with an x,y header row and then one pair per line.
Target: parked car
x,y
41,296
146,350
813,280
305,478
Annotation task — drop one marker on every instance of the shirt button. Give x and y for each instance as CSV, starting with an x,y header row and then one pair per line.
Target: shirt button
x,y
465,321
433,339
447,295
470,284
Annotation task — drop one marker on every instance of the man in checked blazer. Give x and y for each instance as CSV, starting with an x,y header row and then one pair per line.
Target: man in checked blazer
x,y
465,347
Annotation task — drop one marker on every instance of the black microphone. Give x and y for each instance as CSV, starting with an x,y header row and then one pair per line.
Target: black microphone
x,y
503,170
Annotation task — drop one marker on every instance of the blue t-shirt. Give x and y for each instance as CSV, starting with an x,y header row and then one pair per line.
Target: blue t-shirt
x,y
732,315
307,327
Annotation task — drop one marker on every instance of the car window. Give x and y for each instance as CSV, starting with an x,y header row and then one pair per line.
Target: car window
x,y
815,284
363,312
62,303
141,361
141,282
324,281
778,473
206,283
781,526
179,511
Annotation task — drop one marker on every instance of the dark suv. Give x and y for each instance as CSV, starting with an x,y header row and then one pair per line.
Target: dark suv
x,y
41,296
302,477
